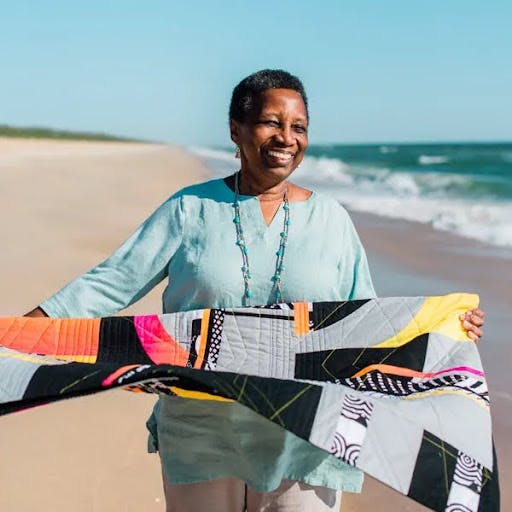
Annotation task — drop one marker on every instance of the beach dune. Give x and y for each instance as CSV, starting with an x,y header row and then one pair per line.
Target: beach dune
x,y
65,206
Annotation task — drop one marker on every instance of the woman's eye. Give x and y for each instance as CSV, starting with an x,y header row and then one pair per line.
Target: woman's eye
x,y
300,129
269,122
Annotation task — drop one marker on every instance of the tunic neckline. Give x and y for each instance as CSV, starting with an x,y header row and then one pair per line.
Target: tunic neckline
x,y
261,220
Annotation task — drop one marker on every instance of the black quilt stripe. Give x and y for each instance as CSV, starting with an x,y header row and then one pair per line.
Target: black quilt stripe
x,y
329,365
325,314
120,343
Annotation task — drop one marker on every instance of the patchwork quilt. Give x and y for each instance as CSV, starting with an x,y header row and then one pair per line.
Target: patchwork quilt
x,y
392,386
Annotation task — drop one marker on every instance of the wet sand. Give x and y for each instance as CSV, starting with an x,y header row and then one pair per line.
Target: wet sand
x,y
66,205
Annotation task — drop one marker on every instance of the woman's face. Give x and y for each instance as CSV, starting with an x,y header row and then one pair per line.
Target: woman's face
x,y
274,137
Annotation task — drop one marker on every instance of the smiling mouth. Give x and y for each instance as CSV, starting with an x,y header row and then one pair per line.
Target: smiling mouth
x,y
280,156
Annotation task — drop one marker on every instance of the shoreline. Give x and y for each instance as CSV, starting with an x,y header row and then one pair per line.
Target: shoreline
x,y
412,244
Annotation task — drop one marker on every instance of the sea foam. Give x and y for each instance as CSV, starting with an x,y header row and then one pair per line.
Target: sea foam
x,y
432,159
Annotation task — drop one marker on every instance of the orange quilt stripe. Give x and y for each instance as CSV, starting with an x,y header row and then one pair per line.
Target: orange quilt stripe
x,y
301,318
75,339
394,370
108,381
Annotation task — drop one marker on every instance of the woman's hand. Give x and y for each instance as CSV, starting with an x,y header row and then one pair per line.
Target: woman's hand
x,y
472,321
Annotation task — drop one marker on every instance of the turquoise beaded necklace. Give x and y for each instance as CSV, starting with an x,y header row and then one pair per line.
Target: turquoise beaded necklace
x,y
240,241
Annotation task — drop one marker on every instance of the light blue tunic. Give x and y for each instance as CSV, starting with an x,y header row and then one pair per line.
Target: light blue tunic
x,y
191,238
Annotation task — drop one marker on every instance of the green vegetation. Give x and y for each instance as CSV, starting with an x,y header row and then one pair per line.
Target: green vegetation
x,y
48,133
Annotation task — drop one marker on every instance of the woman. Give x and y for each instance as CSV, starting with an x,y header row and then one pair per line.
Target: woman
x,y
252,238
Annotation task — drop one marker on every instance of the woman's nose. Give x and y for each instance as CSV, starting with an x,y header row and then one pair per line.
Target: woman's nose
x,y
285,135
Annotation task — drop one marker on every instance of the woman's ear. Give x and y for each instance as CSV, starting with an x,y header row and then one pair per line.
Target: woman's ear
x,y
234,129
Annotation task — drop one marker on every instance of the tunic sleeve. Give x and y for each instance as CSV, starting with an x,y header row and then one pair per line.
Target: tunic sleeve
x,y
355,265
136,267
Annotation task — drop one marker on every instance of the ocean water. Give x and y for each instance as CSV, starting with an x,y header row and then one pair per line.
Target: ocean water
x,y
461,188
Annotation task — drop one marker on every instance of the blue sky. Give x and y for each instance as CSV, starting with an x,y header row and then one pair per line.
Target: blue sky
x,y
375,71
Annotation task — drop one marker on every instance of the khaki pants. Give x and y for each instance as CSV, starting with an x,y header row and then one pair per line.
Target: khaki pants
x,y
233,495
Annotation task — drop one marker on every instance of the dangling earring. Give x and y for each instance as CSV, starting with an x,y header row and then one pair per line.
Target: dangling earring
x,y
237,152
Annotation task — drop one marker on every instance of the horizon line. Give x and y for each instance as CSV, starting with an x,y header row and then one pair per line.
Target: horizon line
x,y
9,130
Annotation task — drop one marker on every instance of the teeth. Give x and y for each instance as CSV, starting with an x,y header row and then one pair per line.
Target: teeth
x,y
280,154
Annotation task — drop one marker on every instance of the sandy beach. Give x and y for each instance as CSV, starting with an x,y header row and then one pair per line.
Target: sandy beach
x,y
66,205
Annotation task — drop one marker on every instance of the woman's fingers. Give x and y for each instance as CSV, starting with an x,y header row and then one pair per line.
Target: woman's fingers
x,y
476,320
473,336
474,332
472,321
